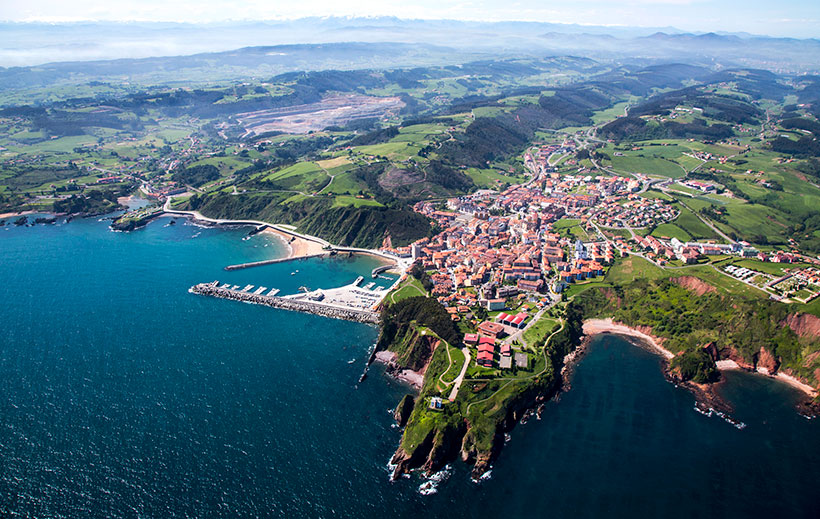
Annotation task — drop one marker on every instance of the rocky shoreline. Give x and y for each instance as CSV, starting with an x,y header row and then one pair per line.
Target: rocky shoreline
x,y
707,397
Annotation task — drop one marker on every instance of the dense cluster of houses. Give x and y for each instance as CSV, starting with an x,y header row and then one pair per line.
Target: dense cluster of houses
x,y
502,256
497,247
635,211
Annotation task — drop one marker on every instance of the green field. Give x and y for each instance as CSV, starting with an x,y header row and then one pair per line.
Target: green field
x,y
538,331
652,195
304,176
347,200
690,224
651,166
633,267
570,227
226,165
603,116
395,151
670,230
411,287
776,269
490,178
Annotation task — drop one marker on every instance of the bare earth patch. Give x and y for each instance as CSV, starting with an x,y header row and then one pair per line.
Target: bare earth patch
x,y
698,286
335,110
804,325
394,178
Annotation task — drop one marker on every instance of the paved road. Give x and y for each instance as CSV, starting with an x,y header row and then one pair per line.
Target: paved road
x,y
200,216
460,377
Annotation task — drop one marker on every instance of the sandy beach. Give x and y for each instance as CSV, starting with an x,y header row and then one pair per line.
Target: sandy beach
x,y
594,326
12,215
297,247
790,380
414,378
727,364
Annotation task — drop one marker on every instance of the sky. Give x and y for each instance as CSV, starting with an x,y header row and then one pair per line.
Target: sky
x,y
794,18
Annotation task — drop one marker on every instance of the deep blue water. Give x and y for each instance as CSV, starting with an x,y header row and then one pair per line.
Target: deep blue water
x,y
122,395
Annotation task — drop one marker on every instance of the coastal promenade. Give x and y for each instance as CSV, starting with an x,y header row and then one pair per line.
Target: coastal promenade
x,y
326,310
199,216
402,264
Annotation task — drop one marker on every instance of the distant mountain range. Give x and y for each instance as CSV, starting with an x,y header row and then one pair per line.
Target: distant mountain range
x,y
26,44
39,55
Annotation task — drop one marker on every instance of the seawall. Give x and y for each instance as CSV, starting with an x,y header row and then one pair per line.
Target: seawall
x,y
277,260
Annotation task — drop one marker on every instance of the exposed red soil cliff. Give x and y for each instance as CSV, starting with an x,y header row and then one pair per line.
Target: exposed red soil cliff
x,y
698,286
804,325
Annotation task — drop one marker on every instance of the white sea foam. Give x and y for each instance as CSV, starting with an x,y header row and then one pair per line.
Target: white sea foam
x,y
430,486
484,477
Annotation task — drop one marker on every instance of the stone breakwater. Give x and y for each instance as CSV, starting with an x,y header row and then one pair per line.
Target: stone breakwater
x,y
277,260
336,312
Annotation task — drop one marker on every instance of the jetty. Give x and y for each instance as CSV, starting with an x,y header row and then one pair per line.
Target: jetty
x,y
361,315
277,260
379,270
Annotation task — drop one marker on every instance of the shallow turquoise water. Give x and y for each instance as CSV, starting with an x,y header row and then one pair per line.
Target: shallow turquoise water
x,y
122,395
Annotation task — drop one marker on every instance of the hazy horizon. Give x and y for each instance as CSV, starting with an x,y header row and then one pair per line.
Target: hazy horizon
x,y
792,18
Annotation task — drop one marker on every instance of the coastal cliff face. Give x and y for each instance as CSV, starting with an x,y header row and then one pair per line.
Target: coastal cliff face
x,y
429,443
701,326
472,426
364,226
414,348
403,410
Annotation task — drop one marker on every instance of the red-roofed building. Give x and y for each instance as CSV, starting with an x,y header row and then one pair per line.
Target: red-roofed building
x,y
485,341
470,338
490,329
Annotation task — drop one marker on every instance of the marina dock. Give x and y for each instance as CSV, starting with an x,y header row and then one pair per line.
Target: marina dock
x,y
213,289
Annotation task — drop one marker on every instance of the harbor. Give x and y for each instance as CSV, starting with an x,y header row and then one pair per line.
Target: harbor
x,y
349,302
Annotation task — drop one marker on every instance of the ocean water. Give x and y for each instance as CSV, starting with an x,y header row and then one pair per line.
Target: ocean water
x,y
122,395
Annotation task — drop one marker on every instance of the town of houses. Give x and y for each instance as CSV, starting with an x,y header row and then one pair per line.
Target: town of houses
x,y
501,250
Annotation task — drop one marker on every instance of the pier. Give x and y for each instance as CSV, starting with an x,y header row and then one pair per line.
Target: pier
x,y
379,270
361,315
277,260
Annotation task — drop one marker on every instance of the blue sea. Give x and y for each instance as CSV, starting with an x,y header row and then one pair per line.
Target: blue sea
x,y
123,395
